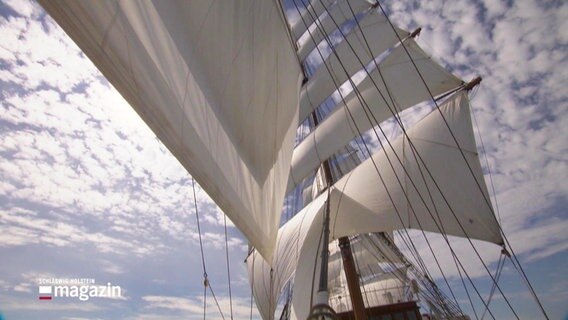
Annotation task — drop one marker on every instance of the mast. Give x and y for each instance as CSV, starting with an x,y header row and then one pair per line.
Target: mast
x,y
321,309
346,253
352,279
323,293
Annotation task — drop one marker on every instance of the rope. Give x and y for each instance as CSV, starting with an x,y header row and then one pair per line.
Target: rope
x,y
360,276
435,296
519,269
228,266
252,286
487,165
206,282
498,270
215,299
204,299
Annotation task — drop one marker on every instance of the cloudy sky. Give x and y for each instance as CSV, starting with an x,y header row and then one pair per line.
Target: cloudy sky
x,y
87,190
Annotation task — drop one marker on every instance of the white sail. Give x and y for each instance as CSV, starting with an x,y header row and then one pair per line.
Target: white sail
x,y
360,202
268,279
347,59
313,10
362,197
399,82
217,82
336,16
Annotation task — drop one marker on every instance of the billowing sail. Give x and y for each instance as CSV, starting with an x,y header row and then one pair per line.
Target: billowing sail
x,y
268,280
402,198
361,203
217,82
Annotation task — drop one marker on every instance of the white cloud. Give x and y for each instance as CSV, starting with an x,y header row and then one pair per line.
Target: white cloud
x,y
19,304
25,8
23,287
194,305
4,285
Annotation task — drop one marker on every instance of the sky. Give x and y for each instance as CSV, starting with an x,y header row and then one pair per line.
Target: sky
x,y
88,191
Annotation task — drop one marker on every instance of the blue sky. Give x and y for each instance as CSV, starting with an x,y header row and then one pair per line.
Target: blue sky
x,y
87,190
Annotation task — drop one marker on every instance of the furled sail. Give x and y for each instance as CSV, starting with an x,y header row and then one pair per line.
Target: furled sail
x,y
361,203
217,81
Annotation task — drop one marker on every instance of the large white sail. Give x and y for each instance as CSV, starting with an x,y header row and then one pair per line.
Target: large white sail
x,y
217,81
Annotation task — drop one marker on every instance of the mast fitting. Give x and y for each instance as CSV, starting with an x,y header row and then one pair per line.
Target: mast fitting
x,y
472,84
415,32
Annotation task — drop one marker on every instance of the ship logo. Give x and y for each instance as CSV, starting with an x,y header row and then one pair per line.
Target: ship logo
x,y
45,293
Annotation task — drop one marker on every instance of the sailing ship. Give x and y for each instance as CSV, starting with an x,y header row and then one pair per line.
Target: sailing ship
x,y
281,118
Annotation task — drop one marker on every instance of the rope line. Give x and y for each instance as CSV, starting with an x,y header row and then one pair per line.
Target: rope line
x,y
252,285
498,270
215,299
228,266
206,282
487,165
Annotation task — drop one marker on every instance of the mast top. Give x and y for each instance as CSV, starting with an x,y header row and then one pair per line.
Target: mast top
x,y
415,32
470,85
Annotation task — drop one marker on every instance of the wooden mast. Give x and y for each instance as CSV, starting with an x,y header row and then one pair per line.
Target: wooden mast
x,y
352,279
346,253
